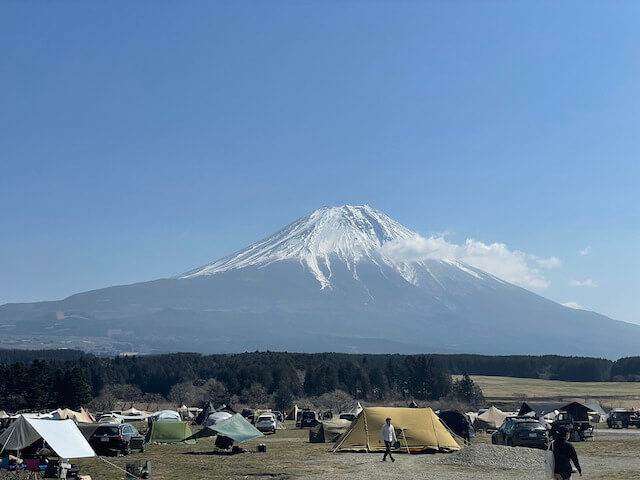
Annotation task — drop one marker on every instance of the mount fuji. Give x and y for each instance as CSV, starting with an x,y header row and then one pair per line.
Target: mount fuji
x,y
326,282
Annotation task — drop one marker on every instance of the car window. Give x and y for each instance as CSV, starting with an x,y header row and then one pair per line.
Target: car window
x,y
106,431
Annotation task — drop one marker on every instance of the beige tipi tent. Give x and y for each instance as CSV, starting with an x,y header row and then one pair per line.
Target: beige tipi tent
x,y
82,416
293,413
489,420
417,430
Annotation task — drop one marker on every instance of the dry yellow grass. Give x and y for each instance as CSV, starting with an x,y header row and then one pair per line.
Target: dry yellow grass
x,y
512,389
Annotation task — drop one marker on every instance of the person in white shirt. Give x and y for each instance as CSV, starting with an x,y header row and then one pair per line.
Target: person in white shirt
x,y
388,434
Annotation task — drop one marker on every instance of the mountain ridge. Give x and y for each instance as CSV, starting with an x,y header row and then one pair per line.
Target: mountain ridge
x,y
325,282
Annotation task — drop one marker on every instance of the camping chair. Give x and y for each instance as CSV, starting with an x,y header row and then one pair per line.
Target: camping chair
x,y
34,471
9,469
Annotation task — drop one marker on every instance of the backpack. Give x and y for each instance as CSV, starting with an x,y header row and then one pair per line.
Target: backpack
x,y
550,461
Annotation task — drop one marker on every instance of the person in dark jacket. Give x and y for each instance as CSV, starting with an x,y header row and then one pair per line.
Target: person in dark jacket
x,y
466,434
564,454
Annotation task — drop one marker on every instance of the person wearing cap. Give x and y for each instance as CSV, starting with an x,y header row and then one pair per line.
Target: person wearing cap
x,y
388,434
564,454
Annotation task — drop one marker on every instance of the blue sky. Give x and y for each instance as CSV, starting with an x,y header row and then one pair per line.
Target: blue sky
x,y
139,140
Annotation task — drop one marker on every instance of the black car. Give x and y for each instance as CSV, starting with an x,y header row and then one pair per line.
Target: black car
x,y
249,414
521,432
120,438
623,419
308,419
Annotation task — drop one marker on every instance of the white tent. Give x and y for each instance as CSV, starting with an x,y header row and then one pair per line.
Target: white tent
x,y
357,408
167,416
134,412
216,417
63,436
3,414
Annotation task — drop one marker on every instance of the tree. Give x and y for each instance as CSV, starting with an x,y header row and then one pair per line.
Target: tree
x,y
468,391
78,390
338,401
283,399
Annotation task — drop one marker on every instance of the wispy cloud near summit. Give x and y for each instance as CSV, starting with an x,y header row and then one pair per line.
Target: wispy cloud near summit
x,y
514,266
583,283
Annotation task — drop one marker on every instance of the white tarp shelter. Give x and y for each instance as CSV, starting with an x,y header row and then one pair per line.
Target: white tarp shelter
x,y
63,436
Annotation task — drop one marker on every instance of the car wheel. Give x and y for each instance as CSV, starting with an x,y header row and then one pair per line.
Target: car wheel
x,y
127,450
510,443
143,448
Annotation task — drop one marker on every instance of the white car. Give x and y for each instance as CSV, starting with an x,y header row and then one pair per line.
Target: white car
x,y
266,423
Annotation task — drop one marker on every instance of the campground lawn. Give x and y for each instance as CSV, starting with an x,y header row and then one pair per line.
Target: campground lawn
x,y
613,455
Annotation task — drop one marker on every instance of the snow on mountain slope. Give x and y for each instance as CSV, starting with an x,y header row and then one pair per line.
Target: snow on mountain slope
x,y
348,234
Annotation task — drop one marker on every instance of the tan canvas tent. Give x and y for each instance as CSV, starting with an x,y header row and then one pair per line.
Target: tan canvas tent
x,y
293,413
67,414
491,419
417,429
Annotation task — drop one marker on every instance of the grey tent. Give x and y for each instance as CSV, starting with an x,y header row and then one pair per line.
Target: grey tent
x,y
63,437
328,431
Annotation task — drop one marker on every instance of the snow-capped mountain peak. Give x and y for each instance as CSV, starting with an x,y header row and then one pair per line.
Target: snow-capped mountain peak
x,y
347,233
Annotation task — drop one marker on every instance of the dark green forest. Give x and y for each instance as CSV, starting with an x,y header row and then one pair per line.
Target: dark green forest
x,y
66,378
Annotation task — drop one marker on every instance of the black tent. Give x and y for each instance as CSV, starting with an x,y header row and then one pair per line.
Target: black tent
x,y
413,404
456,421
204,414
579,411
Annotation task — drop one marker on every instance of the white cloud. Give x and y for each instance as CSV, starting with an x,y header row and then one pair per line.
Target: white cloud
x,y
513,266
583,283
551,262
584,251
575,305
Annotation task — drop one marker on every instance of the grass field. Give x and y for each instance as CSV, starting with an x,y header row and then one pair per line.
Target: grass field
x,y
613,455
509,388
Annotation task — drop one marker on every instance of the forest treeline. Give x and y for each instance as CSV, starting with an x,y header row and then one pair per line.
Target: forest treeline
x,y
71,378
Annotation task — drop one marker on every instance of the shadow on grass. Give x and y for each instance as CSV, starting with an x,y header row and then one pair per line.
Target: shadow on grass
x,y
229,453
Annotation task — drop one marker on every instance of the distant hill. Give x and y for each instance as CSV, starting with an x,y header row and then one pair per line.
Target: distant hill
x,y
322,283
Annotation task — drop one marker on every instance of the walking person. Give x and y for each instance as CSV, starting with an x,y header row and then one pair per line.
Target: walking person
x,y
564,453
466,434
388,434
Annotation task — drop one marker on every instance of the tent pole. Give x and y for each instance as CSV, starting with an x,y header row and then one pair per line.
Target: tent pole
x,y
434,430
406,444
366,430
8,438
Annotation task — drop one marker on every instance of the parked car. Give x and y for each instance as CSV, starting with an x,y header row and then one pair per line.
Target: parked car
x,y
348,416
620,418
121,438
521,432
248,413
579,430
308,419
266,423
